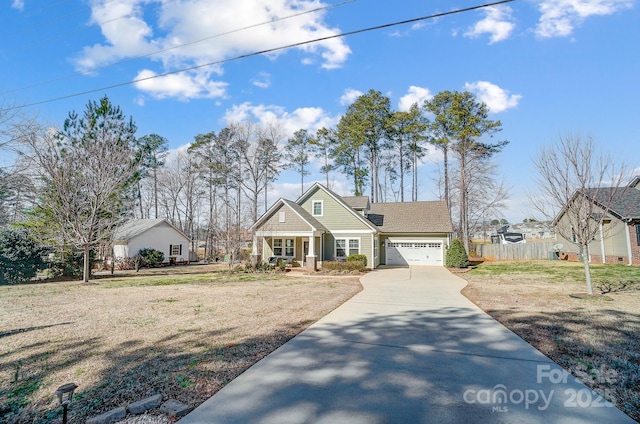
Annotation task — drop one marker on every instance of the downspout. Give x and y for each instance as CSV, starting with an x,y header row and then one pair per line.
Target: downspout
x,y
629,252
604,256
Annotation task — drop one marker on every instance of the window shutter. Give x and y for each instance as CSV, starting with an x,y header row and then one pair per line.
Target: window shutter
x,y
181,248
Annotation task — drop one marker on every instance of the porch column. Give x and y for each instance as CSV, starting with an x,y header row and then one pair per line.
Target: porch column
x,y
311,259
255,257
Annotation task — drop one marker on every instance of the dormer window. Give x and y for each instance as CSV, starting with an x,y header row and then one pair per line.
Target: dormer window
x,y
317,207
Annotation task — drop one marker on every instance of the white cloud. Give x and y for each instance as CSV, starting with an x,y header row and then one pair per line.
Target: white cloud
x,y
560,17
497,99
309,118
182,86
415,95
18,4
497,22
229,28
349,96
262,80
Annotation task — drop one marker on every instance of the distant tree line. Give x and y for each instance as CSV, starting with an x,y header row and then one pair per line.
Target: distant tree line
x,y
72,186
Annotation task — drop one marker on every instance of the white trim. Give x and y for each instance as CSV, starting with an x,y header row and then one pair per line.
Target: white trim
x,y
604,255
352,232
346,248
629,249
313,207
280,234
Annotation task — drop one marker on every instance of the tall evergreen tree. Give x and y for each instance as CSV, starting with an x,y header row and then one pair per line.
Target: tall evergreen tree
x,y
296,154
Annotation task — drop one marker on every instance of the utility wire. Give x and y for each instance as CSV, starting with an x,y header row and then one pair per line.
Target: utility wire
x,y
261,52
91,70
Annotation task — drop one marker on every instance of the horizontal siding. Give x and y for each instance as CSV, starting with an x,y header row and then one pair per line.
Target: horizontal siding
x,y
334,215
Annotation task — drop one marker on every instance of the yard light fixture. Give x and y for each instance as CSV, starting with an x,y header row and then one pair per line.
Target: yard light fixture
x,y
65,394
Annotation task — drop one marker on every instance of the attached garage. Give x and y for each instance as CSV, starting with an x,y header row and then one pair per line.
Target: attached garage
x,y
414,252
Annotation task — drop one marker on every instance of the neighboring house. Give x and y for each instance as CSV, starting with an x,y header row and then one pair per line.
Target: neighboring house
x,y
323,226
618,238
156,234
537,230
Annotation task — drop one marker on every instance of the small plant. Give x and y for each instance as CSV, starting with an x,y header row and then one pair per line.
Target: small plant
x,y
343,266
151,257
456,255
358,257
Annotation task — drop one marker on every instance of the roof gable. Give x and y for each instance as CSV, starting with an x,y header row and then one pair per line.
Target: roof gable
x,y
281,203
331,215
135,227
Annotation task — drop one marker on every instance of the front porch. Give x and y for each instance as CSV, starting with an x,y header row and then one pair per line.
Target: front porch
x,y
293,248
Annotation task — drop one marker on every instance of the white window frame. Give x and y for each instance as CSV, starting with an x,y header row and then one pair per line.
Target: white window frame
x,y
347,246
376,247
313,207
282,246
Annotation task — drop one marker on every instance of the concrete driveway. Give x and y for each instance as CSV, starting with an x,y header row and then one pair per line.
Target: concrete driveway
x,y
408,349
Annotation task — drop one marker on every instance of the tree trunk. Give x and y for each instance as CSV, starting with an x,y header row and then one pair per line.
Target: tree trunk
x,y
584,251
86,270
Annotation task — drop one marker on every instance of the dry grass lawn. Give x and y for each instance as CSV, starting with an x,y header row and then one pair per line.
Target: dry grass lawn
x,y
596,338
184,334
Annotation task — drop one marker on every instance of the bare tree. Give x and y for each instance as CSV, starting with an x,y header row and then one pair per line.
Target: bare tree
x,y
89,171
576,188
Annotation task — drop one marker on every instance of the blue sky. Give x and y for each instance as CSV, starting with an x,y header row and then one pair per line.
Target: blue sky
x,y
546,68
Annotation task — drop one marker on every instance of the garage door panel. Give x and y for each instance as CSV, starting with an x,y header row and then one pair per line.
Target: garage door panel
x,y
407,252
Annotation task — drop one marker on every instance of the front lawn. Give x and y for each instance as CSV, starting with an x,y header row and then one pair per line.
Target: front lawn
x,y
178,331
596,338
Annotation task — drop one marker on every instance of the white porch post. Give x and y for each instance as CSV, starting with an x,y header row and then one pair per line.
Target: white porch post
x,y
311,259
312,246
255,256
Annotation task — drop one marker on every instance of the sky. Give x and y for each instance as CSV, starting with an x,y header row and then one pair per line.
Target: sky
x,y
545,68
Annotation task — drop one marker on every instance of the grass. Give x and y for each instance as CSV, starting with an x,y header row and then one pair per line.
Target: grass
x,y
124,338
596,338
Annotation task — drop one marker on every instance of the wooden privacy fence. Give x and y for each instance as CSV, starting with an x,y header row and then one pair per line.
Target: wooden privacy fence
x,y
514,252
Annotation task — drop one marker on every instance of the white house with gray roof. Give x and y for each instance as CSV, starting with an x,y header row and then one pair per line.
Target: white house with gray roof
x,y
158,234
323,226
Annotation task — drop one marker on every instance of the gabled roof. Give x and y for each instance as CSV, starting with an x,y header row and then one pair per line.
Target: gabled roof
x,y
135,227
338,199
411,217
296,208
357,202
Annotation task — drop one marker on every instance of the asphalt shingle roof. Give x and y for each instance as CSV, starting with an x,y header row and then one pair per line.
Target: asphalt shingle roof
x,y
411,217
624,202
135,227
357,202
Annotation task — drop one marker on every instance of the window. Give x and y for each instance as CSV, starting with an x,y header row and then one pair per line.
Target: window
x,y
638,234
376,241
175,249
354,247
282,216
288,248
346,247
317,208
277,247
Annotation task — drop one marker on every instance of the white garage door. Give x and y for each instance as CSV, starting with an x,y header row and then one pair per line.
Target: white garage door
x,y
414,252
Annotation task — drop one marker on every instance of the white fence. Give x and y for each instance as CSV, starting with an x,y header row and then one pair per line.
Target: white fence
x,y
514,252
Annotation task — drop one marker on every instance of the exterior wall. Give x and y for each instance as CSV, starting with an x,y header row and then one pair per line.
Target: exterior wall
x,y
366,246
120,250
616,249
159,238
292,222
334,215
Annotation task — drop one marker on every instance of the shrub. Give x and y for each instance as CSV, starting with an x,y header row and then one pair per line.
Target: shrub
x,y
71,263
151,257
456,255
20,256
358,258
343,266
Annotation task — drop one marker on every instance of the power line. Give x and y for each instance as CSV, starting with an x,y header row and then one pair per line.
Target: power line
x,y
88,71
261,52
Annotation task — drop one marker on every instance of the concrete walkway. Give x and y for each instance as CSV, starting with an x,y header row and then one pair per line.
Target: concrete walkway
x,y
408,349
